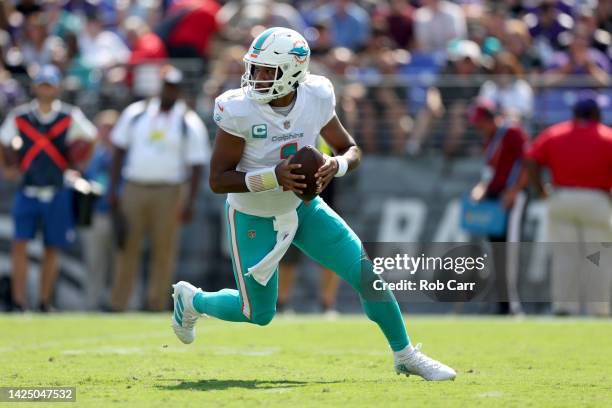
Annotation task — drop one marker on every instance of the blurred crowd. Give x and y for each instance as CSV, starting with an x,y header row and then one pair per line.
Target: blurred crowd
x,y
405,71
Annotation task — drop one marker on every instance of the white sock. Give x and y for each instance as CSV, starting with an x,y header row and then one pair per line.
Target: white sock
x,y
403,353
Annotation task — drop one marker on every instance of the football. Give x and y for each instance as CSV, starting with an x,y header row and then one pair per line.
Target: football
x,y
310,159
79,151
9,156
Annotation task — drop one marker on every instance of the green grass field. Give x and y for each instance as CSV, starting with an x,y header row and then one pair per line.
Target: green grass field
x,y
135,360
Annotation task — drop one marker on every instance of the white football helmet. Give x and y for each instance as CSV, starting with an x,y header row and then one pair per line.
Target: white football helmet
x,y
280,48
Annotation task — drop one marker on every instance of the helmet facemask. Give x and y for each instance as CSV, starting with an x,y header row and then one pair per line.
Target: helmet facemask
x,y
263,91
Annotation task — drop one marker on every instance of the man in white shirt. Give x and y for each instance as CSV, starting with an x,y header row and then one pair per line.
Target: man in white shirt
x,y
159,144
101,48
438,22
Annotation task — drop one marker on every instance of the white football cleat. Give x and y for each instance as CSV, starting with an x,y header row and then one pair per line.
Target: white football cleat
x,y
419,364
185,316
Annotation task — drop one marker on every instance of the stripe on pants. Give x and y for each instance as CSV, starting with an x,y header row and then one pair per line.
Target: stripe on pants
x,y
246,304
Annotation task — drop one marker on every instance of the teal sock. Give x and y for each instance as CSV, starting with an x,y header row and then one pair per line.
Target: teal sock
x,y
380,306
224,304
387,315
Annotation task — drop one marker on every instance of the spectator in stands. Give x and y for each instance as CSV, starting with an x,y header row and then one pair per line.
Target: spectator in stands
x,y
83,8
61,21
508,90
189,28
145,45
4,20
11,92
77,69
98,242
492,21
239,17
578,154
603,14
579,60
337,64
502,180
398,21
516,8
348,22
162,143
37,47
226,73
100,48
518,41
146,49
547,23
45,134
382,114
321,41
437,23
28,7
12,59
148,11
586,20
450,98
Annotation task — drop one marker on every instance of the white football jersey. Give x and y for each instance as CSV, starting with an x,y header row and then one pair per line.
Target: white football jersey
x,y
271,137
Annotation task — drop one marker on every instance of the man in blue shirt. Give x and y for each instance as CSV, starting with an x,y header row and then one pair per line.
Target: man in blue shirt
x,y
348,22
98,238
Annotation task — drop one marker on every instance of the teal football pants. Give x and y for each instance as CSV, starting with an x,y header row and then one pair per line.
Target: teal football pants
x,y
323,236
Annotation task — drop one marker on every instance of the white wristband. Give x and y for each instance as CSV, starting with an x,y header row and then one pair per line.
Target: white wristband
x,y
261,180
342,166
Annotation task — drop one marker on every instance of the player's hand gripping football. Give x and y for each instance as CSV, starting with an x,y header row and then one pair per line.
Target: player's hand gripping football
x,y
287,179
326,173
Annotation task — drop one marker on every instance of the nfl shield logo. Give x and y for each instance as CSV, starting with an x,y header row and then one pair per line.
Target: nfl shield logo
x,y
251,234
286,124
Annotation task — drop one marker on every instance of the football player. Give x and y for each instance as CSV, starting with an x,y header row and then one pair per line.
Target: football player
x,y
280,108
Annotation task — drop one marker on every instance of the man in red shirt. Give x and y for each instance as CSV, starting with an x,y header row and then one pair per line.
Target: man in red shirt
x,y
503,179
578,154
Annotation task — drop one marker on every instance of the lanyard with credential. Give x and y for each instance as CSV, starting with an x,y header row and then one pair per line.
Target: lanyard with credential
x,y
497,138
487,171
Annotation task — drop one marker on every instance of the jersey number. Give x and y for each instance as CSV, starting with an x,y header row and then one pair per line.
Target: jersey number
x,y
288,149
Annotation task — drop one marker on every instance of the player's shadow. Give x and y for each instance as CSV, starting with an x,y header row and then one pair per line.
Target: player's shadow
x,y
213,384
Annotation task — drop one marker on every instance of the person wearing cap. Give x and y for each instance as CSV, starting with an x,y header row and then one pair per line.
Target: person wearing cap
x,y
46,135
158,145
449,98
578,155
502,180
